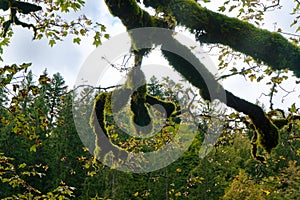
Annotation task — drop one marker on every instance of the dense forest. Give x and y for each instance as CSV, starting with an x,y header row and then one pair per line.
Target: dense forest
x,y
45,154
42,156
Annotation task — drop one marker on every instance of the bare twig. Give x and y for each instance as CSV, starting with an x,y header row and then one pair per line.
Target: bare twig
x,y
273,91
105,89
123,66
96,88
291,34
266,8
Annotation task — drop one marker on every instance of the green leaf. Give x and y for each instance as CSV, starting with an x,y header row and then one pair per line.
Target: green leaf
x,y
83,32
33,148
277,79
222,8
252,77
44,79
89,22
23,165
260,78
52,42
97,40
103,28
106,36
293,108
35,90
77,40
294,22
231,8
234,70
25,65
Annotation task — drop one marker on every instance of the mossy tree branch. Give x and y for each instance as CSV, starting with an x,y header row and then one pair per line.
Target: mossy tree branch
x,y
211,27
267,131
131,15
268,135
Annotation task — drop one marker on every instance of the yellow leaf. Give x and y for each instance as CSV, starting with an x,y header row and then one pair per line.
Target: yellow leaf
x,y
22,165
178,170
267,192
33,148
85,149
178,194
136,194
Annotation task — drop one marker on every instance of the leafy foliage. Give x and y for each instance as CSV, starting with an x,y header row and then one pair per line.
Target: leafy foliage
x,y
45,18
61,166
42,156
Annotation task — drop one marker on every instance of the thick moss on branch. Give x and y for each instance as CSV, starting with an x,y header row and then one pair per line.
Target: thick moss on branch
x,y
200,77
210,27
141,117
131,15
136,81
98,114
267,132
168,106
135,90
97,122
216,28
124,94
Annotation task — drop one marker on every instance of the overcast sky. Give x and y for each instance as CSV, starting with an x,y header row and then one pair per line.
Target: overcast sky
x,y
67,58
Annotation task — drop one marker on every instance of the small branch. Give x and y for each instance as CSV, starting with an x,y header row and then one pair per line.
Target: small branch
x,y
236,73
92,89
123,66
266,8
273,92
291,34
96,88
287,92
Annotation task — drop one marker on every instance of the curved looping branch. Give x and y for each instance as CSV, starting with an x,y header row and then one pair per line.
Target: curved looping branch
x,y
266,130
